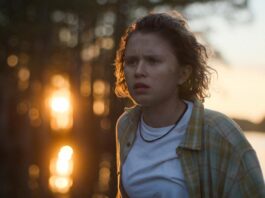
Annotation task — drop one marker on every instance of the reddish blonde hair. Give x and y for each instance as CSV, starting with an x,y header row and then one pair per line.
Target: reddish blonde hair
x,y
173,28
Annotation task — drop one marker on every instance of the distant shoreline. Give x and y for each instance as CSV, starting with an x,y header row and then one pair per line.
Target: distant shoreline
x,y
247,125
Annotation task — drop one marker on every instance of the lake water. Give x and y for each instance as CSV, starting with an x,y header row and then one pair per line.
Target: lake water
x,y
257,140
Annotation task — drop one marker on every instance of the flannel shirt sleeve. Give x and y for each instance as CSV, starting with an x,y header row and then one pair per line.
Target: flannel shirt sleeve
x,y
249,182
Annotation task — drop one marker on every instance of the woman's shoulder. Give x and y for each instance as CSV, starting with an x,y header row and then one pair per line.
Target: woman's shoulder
x,y
221,125
130,114
123,119
219,120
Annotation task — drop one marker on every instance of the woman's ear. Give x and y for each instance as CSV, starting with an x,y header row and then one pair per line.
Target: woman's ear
x,y
185,72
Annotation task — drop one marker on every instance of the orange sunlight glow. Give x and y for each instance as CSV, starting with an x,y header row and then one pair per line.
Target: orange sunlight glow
x,y
101,91
60,104
60,184
61,169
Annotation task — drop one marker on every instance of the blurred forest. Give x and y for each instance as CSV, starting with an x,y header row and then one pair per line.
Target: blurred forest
x,y
66,49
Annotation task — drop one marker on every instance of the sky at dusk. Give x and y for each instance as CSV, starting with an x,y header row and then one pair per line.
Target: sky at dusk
x,y
239,89
242,45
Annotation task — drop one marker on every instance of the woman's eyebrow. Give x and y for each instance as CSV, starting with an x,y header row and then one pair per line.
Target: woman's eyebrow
x,y
129,56
152,56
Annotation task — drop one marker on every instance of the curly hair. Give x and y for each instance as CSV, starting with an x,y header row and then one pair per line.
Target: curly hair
x,y
173,28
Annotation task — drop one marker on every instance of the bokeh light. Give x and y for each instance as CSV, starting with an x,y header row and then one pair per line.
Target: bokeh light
x,y
12,60
61,170
99,107
23,74
60,104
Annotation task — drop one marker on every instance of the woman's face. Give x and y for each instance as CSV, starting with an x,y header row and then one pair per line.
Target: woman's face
x,y
151,69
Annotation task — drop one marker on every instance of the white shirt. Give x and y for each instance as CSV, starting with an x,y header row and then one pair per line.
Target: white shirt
x,y
153,169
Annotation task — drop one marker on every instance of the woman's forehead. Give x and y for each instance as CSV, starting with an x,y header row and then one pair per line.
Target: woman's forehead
x,y
149,43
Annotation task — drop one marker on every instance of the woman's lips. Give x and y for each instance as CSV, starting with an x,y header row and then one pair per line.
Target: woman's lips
x,y
140,88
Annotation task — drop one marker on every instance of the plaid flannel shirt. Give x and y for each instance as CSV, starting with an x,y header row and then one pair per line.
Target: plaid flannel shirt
x,y
216,158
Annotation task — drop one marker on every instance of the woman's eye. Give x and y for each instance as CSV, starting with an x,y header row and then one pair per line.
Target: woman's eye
x,y
130,62
152,61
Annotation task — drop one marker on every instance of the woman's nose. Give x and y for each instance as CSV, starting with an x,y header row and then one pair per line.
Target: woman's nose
x,y
140,69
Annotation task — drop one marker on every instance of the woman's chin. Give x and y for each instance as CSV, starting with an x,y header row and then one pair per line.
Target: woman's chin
x,y
143,102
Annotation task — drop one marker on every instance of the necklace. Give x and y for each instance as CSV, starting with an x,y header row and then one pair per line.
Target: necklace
x,y
171,129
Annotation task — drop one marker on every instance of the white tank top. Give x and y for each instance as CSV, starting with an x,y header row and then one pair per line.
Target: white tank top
x,y
153,169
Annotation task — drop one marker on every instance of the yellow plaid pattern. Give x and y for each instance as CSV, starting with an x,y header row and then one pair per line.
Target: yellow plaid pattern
x,y
216,158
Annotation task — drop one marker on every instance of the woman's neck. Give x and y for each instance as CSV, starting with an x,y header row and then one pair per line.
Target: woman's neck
x,y
163,114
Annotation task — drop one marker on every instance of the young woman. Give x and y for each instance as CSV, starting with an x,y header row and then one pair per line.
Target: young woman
x,y
168,144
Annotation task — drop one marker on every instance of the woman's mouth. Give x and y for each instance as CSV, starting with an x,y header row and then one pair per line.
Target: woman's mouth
x,y
140,88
